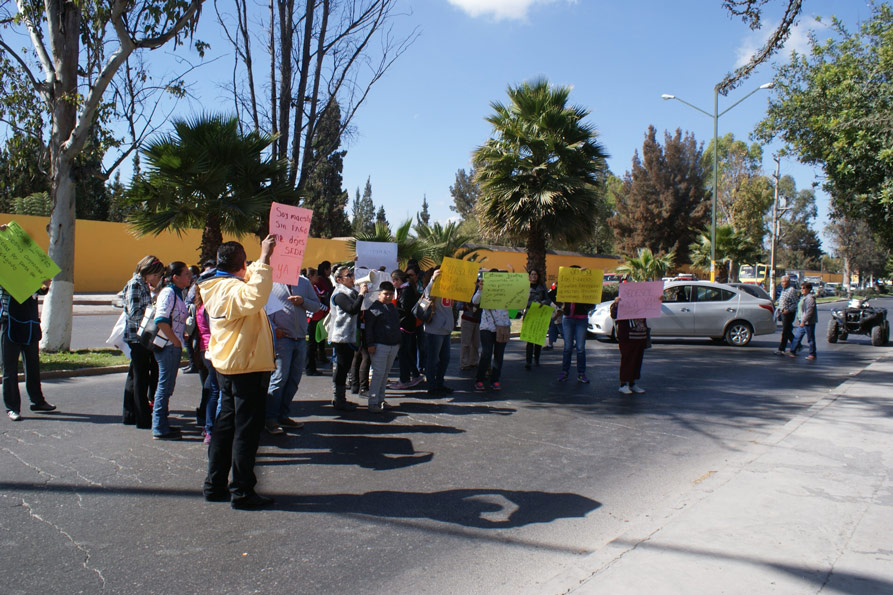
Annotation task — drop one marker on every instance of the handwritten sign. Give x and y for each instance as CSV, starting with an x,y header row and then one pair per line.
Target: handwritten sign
x,y
583,286
502,291
457,279
536,323
374,279
374,255
24,266
639,300
291,226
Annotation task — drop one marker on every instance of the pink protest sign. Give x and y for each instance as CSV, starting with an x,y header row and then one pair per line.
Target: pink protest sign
x,y
291,226
640,300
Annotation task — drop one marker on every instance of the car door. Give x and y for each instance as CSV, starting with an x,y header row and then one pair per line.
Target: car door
x,y
714,307
676,313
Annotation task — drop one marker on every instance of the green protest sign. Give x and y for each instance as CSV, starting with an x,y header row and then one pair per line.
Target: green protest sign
x,y
503,291
24,266
536,323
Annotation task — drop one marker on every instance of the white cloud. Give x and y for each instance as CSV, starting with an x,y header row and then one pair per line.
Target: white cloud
x,y
798,41
499,9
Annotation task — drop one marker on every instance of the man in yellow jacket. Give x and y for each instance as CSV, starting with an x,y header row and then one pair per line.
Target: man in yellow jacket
x,y
241,350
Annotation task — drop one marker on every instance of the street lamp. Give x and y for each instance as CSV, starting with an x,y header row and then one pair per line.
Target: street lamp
x,y
715,115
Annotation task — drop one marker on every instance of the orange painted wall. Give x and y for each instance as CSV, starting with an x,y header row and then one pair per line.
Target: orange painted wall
x,y
517,262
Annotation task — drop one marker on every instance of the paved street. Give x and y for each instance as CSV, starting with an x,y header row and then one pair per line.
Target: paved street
x,y
474,493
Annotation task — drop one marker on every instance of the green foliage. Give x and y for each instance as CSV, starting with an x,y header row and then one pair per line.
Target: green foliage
x,y
38,204
832,107
662,201
363,221
424,216
733,249
408,246
542,172
465,192
799,246
441,241
207,174
646,266
381,216
324,194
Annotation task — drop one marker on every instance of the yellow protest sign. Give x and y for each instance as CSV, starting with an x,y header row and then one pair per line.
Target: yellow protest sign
x,y
457,279
505,291
583,286
24,266
536,323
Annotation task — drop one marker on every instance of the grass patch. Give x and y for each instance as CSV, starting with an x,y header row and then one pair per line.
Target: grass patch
x,y
80,359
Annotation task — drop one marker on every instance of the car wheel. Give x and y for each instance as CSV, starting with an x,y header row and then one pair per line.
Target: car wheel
x,y
832,331
739,333
843,336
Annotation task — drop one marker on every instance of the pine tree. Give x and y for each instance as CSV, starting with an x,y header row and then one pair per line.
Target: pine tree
x,y
324,193
465,192
424,215
364,210
380,216
662,203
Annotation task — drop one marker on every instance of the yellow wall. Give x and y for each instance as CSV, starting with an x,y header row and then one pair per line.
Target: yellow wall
x,y
106,253
516,261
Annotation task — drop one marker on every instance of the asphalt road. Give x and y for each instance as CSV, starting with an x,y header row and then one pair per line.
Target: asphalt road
x,y
474,493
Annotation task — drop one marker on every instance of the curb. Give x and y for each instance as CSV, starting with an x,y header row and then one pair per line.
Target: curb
x,y
56,374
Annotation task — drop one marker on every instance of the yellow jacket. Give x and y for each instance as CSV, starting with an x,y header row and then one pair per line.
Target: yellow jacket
x,y
241,337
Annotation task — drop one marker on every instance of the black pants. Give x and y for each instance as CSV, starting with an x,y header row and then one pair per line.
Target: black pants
x,y
533,352
142,380
344,353
236,433
312,345
359,370
787,330
31,359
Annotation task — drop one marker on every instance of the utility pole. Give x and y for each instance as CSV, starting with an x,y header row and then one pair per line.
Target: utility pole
x,y
775,215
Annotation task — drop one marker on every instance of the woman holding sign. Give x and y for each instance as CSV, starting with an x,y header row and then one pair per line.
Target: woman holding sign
x,y
632,337
539,295
495,331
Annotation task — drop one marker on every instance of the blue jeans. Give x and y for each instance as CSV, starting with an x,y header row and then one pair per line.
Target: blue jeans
x,y
437,348
809,331
490,349
574,332
168,364
291,355
212,385
553,331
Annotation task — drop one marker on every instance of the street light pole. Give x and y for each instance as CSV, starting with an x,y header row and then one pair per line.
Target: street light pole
x,y
715,115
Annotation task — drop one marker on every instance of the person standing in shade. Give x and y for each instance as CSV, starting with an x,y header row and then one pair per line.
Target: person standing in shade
x,y
495,326
470,335
787,307
316,353
632,338
573,329
437,337
170,318
345,306
138,386
382,342
807,318
289,331
241,350
407,296
313,323
539,295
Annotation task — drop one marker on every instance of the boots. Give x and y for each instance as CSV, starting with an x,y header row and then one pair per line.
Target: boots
x,y
340,401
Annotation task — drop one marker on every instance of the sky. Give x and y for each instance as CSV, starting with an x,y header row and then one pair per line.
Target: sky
x,y
424,118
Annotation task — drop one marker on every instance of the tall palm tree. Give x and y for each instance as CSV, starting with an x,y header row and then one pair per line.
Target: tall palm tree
x,y
646,266
208,175
440,241
732,248
541,172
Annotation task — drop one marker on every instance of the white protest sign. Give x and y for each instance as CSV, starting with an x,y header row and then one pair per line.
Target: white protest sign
x,y
374,255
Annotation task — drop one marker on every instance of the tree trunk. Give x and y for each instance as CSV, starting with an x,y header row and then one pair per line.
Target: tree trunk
x,y
211,239
301,93
536,252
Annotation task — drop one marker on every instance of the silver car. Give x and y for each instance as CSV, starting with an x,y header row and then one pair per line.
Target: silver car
x,y
700,309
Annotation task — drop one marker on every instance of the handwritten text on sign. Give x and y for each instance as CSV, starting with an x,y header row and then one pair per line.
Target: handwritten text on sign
x,y
291,226
457,279
24,266
536,323
374,255
639,300
583,286
504,291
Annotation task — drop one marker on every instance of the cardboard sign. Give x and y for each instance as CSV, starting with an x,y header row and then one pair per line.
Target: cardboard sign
x,y
639,300
374,255
457,279
291,226
583,286
536,323
24,266
503,291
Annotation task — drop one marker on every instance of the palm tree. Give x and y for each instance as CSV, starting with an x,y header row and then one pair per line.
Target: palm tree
x,y
439,241
408,247
646,266
541,172
732,248
208,175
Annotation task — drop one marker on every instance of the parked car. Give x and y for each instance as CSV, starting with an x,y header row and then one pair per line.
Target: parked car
x,y
830,289
700,309
754,290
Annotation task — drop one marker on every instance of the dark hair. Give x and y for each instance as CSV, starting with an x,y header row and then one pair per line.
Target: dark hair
x,y
399,275
807,285
195,270
414,268
175,268
324,266
386,286
231,257
208,264
149,266
340,271
311,272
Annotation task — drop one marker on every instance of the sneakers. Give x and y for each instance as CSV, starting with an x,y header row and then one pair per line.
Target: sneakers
x,y
626,390
791,354
778,352
415,382
581,378
14,415
168,436
378,406
364,394
252,502
478,387
43,406
810,357
562,377
637,389
273,428
287,422
343,405
207,438
496,386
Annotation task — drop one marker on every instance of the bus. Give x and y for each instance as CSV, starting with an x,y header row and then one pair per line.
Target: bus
x,y
753,273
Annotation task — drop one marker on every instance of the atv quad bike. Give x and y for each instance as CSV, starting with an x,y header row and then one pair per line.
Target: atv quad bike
x,y
859,318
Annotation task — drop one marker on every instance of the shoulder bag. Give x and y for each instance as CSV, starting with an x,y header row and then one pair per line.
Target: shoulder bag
x,y
424,309
148,332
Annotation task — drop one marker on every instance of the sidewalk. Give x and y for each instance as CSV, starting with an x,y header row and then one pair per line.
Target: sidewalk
x,y
808,510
